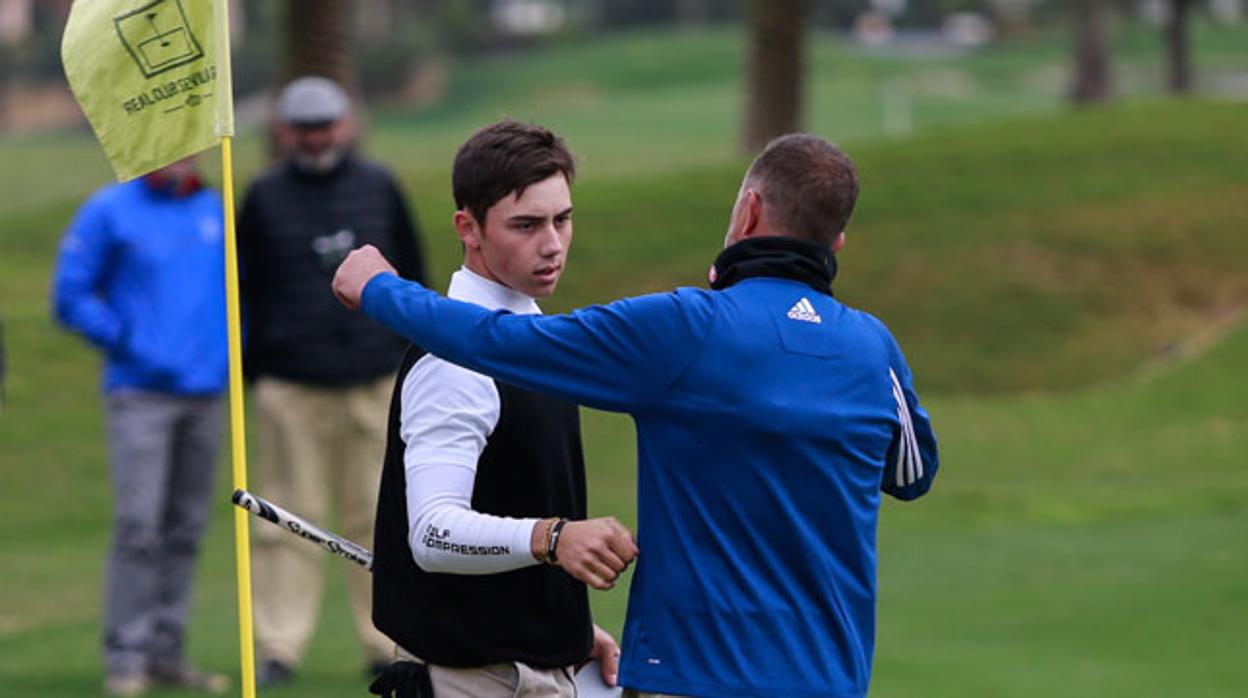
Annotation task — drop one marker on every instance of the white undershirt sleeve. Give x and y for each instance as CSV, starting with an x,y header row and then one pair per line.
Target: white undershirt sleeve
x,y
447,415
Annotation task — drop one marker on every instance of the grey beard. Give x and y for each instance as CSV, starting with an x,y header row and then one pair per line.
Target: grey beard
x,y
319,164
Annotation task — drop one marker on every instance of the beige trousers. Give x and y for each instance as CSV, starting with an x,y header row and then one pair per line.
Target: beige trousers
x,y
501,680
316,446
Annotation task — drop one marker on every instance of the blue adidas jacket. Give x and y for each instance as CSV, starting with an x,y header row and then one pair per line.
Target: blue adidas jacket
x,y
141,275
769,417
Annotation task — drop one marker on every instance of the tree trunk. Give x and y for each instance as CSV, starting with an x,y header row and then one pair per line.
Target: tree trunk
x,y
1178,50
318,41
1091,79
774,72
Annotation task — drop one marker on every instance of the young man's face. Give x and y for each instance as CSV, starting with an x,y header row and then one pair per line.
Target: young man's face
x,y
523,242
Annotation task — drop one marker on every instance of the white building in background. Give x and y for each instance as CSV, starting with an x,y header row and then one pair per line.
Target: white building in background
x,y
528,17
967,29
889,8
16,17
1228,11
1225,11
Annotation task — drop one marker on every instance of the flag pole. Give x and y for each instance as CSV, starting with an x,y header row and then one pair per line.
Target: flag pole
x,y
237,424
238,434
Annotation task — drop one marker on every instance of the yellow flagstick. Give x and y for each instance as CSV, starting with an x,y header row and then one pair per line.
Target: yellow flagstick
x,y
238,434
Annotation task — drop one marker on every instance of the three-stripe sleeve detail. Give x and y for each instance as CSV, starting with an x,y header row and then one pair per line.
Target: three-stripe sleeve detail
x,y
909,459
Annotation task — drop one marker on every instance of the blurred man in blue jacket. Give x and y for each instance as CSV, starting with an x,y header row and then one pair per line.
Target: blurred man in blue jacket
x,y
769,418
141,276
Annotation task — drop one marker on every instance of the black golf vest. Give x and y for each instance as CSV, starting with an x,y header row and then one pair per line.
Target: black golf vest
x,y
532,466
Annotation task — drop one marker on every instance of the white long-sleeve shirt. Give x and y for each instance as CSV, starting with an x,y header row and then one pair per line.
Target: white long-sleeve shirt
x,y
447,414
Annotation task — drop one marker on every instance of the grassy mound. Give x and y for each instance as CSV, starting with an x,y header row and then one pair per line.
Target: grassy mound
x,y
1028,255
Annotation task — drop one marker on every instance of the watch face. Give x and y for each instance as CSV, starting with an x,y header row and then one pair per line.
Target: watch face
x,y
589,683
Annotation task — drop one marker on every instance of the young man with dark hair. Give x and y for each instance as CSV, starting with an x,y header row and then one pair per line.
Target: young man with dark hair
x,y
483,489
769,419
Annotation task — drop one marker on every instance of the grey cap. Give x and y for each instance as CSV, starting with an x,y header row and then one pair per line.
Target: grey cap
x,y
312,100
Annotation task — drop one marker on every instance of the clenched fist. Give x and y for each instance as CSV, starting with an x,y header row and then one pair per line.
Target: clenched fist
x,y
596,551
356,271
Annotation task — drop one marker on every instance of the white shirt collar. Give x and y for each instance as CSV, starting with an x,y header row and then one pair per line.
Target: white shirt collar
x,y
467,285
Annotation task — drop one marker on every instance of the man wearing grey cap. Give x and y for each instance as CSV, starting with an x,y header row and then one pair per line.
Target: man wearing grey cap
x,y
322,375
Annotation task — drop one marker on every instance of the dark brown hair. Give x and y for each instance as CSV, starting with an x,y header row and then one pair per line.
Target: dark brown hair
x,y
808,187
503,158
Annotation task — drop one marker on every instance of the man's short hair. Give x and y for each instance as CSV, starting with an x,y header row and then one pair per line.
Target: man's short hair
x,y
808,187
506,157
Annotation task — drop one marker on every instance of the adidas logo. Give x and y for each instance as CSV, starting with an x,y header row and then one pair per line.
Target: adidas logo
x,y
804,311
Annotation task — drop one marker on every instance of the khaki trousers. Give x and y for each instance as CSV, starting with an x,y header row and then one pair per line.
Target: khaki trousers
x,y
316,445
501,680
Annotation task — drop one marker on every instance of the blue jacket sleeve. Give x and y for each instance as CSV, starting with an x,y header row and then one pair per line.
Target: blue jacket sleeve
x,y
82,266
617,357
913,459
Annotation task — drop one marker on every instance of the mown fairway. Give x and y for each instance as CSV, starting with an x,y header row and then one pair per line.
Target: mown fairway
x,y
1070,289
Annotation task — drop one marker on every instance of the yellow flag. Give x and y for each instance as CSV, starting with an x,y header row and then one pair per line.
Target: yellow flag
x,y
152,76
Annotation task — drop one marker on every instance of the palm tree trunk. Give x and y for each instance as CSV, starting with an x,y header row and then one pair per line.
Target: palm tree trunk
x,y
1091,79
1178,50
318,41
775,70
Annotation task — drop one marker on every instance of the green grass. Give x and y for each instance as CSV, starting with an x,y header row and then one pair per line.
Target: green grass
x,y
1077,545
1062,283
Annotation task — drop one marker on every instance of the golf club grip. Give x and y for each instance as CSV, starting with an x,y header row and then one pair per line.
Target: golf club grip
x,y
333,543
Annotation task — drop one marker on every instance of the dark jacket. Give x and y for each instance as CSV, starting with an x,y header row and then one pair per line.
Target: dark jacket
x,y
294,230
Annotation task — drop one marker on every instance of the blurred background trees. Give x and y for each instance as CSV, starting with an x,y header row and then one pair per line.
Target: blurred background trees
x,y
402,51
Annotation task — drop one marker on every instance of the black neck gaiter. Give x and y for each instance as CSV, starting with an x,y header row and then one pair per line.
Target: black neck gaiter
x,y
783,257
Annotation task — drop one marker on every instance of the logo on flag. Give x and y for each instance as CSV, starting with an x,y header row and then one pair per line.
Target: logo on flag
x,y
159,37
152,77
